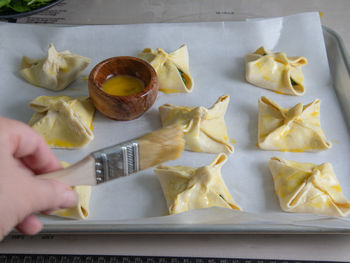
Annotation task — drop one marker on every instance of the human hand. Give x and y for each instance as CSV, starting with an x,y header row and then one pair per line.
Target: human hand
x,y
24,154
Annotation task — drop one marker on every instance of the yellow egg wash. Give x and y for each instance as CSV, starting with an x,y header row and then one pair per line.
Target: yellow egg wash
x,y
60,143
315,114
65,69
169,91
123,85
336,188
85,78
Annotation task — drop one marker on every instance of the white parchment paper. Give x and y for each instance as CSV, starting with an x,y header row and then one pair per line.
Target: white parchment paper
x,y
217,65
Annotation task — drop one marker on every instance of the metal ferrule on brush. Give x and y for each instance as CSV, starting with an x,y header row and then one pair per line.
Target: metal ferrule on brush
x,y
117,161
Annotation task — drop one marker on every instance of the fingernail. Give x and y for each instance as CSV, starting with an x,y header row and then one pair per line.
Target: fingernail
x,y
70,198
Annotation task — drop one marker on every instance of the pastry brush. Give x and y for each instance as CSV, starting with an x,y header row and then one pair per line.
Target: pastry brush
x,y
123,159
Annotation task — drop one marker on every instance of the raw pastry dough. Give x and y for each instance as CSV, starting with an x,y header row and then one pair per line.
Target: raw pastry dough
x,y
64,122
56,71
204,129
81,210
276,71
186,188
296,129
308,188
172,69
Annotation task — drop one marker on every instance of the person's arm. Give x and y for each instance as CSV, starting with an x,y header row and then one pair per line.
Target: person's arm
x,y
24,154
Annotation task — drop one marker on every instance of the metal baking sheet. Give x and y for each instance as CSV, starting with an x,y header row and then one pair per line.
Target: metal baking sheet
x,y
136,204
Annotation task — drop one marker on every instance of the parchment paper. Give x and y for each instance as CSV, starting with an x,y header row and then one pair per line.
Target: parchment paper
x,y
217,65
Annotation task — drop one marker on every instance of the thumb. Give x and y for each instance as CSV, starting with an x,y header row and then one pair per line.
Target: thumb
x,y
49,194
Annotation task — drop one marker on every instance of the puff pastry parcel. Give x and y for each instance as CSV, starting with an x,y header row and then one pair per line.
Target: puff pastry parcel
x,y
204,129
276,71
296,129
82,208
56,71
172,69
186,188
64,122
308,188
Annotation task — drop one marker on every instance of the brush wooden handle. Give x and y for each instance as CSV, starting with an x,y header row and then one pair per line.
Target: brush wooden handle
x,y
81,173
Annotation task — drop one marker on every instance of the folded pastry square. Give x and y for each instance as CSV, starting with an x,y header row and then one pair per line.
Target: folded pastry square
x,y
186,188
172,69
297,129
64,122
276,71
54,72
308,188
82,208
204,129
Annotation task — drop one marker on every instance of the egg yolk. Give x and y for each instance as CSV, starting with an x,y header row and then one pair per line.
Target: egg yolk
x,y
123,85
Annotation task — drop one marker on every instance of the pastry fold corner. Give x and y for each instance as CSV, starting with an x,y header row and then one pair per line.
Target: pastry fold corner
x,y
204,129
308,188
297,129
186,188
172,69
276,71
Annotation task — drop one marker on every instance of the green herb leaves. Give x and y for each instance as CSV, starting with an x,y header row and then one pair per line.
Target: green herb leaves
x,y
182,75
22,5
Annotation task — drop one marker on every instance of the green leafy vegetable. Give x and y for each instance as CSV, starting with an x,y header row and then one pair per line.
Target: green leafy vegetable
x,y
222,196
4,3
182,75
293,82
22,5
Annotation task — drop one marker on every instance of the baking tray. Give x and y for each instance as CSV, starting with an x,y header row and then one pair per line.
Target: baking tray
x,y
261,224
340,70
339,65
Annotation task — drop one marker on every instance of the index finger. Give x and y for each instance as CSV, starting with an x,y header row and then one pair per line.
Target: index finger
x,y
26,144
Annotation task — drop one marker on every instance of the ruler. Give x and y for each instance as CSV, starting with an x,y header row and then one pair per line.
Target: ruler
x,y
51,258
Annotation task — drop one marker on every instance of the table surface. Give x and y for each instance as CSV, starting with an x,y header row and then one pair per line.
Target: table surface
x,y
326,247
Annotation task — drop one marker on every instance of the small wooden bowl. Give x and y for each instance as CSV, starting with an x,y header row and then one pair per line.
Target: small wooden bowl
x,y
129,107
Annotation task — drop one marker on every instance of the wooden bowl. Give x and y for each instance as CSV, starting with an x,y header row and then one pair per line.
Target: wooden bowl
x,y
128,107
